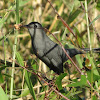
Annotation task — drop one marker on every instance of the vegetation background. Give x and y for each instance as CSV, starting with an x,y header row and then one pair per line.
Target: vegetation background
x,y
23,76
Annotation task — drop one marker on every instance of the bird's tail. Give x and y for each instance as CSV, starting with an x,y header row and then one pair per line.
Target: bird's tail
x,y
72,51
96,50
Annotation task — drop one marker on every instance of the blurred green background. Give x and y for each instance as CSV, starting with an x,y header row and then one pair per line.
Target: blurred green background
x,y
18,42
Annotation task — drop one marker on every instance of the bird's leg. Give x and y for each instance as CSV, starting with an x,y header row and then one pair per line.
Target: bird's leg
x,y
47,79
53,76
67,66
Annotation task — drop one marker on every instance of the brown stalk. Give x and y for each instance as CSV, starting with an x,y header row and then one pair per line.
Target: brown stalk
x,y
72,61
65,52
65,24
98,36
44,81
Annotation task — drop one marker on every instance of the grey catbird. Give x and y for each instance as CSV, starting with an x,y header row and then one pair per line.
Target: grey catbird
x,y
47,50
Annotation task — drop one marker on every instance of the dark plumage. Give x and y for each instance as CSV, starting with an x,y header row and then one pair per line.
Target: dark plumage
x,y
47,50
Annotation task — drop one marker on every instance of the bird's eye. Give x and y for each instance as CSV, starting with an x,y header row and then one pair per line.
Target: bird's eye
x,y
35,26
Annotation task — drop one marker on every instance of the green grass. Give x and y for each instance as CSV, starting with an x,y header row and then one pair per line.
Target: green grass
x,y
21,73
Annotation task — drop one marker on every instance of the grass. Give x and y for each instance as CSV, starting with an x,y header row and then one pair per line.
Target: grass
x,y
21,73
14,49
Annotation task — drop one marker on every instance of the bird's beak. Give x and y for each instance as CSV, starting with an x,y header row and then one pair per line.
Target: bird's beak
x,y
26,26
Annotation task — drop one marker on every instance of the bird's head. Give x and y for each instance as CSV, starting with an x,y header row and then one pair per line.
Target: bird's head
x,y
33,26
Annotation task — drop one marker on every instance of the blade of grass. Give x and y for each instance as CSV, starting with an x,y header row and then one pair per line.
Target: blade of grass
x,y
14,49
27,77
29,84
4,18
88,30
5,57
94,20
89,44
3,96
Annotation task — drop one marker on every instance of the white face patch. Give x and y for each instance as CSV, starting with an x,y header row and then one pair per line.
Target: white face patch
x,y
31,31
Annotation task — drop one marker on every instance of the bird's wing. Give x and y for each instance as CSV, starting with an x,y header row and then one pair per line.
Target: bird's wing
x,y
49,49
52,51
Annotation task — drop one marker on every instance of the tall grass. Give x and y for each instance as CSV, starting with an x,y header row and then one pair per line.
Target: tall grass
x,y
70,85
14,49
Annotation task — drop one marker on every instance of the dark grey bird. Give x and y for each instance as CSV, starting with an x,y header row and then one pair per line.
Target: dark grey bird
x,y
47,50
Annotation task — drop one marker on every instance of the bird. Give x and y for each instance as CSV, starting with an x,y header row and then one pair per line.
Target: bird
x,y
47,50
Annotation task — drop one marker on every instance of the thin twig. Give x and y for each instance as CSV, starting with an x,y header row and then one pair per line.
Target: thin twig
x,y
44,81
62,45
90,46
65,52
72,61
98,37
65,24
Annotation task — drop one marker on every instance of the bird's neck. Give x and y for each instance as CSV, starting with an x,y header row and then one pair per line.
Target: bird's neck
x,y
38,38
37,35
